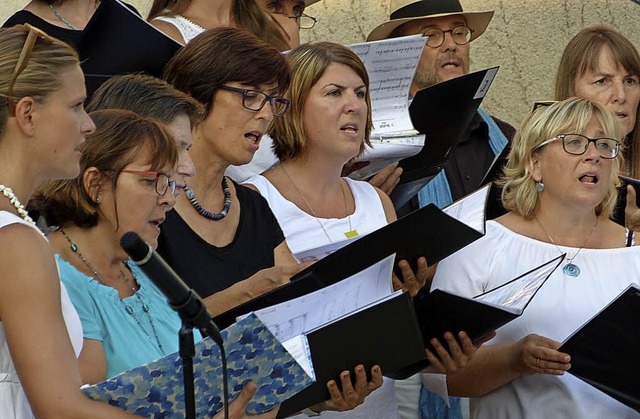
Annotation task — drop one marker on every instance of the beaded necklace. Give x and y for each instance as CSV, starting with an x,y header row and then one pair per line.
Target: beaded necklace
x,y
191,196
62,19
8,193
127,308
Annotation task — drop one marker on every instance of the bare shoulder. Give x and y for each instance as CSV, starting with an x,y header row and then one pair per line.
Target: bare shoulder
x,y
612,235
27,266
168,29
387,205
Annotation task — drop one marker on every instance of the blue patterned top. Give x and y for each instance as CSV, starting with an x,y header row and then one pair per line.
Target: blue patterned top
x,y
127,343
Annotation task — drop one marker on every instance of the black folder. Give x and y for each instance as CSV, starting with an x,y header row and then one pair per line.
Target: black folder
x,y
604,352
393,334
386,334
427,232
442,112
618,212
117,41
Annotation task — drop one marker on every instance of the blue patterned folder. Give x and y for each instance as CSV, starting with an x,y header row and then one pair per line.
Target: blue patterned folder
x,y
155,390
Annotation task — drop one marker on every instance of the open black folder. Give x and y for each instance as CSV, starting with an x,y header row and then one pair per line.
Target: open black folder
x,y
117,41
394,332
428,232
442,112
604,352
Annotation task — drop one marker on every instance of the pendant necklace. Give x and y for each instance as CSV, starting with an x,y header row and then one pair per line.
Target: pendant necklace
x,y
570,269
8,193
349,234
127,308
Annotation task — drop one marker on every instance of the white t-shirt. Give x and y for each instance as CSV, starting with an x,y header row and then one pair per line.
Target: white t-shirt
x,y
560,307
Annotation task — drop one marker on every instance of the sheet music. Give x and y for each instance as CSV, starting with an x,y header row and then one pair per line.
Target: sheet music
x,y
297,316
316,253
298,347
516,294
391,64
471,209
384,151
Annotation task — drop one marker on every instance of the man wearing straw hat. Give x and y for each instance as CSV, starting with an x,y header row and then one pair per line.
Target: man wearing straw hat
x,y
448,31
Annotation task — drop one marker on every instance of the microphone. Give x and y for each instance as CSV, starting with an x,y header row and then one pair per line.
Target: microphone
x,y
181,298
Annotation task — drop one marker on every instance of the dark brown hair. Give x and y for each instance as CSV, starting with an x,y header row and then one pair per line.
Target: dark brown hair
x,y
120,137
222,55
147,96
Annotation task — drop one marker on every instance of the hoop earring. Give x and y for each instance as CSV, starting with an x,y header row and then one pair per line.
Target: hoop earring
x,y
539,186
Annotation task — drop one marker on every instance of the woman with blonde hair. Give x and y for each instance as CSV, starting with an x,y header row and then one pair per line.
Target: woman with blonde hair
x,y
559,187
42,127
328,124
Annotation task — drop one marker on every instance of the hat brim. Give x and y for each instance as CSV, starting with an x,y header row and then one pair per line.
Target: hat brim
x,y
478,21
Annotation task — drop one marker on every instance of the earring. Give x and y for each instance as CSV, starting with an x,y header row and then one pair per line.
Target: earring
x,y
98,199
539,186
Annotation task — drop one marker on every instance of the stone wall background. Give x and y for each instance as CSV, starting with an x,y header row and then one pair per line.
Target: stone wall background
x,y
525,38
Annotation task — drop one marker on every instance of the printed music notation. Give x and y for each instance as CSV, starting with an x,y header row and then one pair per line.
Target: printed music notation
x,y
391,64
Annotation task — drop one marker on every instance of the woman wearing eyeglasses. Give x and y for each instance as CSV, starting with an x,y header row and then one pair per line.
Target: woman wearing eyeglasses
x,y
221,237
124,185
559,186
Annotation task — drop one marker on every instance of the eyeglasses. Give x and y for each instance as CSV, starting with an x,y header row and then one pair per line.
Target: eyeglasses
x,y
33,34
163,182
304,21
543,104
577,144
254,100
461,35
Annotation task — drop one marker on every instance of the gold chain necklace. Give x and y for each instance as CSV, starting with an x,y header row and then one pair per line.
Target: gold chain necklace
x,y
570,269
349,234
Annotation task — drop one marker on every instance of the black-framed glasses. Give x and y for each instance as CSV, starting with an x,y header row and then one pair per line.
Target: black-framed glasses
x,y
33,35
254,100
577,144
461,35
304,21
163,182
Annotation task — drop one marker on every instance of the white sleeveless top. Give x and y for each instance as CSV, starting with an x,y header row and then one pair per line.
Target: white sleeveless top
x,y
187,28
13,401
302,231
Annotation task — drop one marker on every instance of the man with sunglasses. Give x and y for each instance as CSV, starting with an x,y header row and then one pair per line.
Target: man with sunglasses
x,y
448,31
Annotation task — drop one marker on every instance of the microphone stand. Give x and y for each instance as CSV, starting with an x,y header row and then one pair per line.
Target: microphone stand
x,y
187,350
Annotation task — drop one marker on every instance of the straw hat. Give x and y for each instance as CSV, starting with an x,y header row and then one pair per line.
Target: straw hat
x,y
403,11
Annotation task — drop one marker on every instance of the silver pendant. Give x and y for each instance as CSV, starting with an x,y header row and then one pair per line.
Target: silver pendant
x,y
571,270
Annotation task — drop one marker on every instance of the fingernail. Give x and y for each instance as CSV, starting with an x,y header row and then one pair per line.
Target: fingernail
x,y
376,369
567,358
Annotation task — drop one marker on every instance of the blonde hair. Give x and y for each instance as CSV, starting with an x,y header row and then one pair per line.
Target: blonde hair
x,y
572,115
308,63
581,55
42,74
